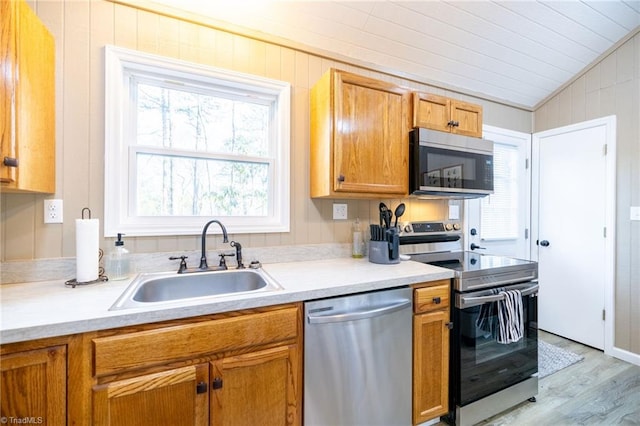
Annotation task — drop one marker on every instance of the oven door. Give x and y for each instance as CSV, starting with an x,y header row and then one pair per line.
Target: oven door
x,y
484,366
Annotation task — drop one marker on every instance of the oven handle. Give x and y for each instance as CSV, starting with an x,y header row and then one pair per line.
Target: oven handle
x,y
469,301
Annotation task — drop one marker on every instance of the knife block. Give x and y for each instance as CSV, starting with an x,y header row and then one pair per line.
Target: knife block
x,y
380,252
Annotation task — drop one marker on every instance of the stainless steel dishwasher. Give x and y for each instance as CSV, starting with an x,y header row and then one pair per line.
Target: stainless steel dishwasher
x,y
358,358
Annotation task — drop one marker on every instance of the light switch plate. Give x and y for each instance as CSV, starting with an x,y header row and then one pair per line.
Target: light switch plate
x,y
53,211
635,213
339,212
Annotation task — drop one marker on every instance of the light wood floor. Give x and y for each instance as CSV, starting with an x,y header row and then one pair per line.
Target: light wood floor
x,y
599,390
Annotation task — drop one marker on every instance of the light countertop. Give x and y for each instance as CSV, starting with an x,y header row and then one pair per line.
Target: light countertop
x,y
49,308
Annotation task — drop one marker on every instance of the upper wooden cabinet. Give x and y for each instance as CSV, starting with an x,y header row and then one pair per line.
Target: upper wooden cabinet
x,y
447,115
359,137
27,101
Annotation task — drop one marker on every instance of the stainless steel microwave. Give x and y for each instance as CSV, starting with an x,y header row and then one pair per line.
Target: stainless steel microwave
x,y
449,165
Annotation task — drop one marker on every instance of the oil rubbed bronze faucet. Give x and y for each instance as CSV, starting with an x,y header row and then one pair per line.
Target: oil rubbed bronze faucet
x,y
222,265
203,258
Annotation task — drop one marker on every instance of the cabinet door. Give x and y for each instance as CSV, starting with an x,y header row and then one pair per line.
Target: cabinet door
x,y
431,112
7,81
431,365
30,137
370,136
174,397
260,388
33,385
468,119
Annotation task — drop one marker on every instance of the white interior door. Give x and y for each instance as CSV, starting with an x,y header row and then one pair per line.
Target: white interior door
x,y
571,209
499,223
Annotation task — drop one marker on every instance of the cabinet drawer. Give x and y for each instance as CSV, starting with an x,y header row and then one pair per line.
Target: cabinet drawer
x,y
141,349
428,299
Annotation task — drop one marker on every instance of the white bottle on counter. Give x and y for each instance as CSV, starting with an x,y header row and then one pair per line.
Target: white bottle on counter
x,y
119,261
357,250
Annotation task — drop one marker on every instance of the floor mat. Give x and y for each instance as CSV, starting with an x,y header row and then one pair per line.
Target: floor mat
x,y
552,358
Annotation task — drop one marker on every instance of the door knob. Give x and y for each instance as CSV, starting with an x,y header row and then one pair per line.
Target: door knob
x,y
544,243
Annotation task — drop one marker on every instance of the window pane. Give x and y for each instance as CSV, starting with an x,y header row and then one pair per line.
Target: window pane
x,y
190,120
185,186
499,211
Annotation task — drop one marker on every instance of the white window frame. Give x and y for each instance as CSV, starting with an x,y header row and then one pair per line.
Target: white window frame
x,y
119,156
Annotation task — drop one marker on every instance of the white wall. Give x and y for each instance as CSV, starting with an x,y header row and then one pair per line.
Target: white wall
x,y
612,87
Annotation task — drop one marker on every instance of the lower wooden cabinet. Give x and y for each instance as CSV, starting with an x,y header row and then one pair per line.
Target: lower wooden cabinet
x,y
257,388
431,351
228,370
174,397
33,386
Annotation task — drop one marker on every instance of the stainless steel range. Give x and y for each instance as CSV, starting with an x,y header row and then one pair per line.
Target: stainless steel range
x,y
494,340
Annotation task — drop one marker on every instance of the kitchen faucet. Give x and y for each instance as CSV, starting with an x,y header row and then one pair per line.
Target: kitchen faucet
x,y
203,258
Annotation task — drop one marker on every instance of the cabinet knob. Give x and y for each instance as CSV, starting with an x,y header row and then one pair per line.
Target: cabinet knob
x,y
341,178
452,123
10,162
201,387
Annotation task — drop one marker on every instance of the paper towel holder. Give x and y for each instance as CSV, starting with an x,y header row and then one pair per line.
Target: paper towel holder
x,y
73,283
101,276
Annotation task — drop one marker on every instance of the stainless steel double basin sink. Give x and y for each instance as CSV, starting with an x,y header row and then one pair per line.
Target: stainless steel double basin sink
x,y
156,289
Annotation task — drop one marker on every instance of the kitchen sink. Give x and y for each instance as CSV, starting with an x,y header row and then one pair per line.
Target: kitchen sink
x,y
153,289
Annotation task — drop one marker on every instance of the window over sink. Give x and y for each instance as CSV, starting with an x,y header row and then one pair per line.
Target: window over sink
x,y
184,142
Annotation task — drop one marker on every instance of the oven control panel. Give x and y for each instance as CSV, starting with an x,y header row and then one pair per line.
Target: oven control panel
x,y
430,232
430,227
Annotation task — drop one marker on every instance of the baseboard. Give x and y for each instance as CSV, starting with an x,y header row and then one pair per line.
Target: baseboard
x,y
625,355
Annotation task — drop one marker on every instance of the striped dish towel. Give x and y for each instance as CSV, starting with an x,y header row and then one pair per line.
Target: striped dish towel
x,y
510,317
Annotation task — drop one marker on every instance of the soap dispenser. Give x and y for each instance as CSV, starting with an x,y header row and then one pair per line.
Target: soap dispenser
x,y
357,245
119,262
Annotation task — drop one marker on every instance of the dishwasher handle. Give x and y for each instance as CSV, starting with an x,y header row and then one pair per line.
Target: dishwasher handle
x,y
359,314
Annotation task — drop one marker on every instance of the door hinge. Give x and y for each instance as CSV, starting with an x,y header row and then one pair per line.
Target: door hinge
x,y
604,149
604,315
526,233
217,383
604,232
526,164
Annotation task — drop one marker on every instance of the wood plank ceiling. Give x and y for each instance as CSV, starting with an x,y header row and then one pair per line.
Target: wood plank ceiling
x,y
516,52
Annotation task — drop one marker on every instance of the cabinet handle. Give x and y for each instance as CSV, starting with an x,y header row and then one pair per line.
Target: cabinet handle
x,y
436,300
10,162
201,387
452,123
449,325
217,383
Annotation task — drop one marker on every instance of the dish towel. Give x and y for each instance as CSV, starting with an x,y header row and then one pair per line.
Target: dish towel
x,y
510,317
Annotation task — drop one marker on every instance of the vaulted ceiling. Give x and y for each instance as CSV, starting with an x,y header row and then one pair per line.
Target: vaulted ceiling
x,y
516,52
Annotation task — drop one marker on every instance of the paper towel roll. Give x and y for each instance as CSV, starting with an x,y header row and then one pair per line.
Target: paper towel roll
x,y
87,246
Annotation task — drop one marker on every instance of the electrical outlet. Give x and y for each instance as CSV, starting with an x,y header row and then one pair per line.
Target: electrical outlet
x,y
52,211
339,212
